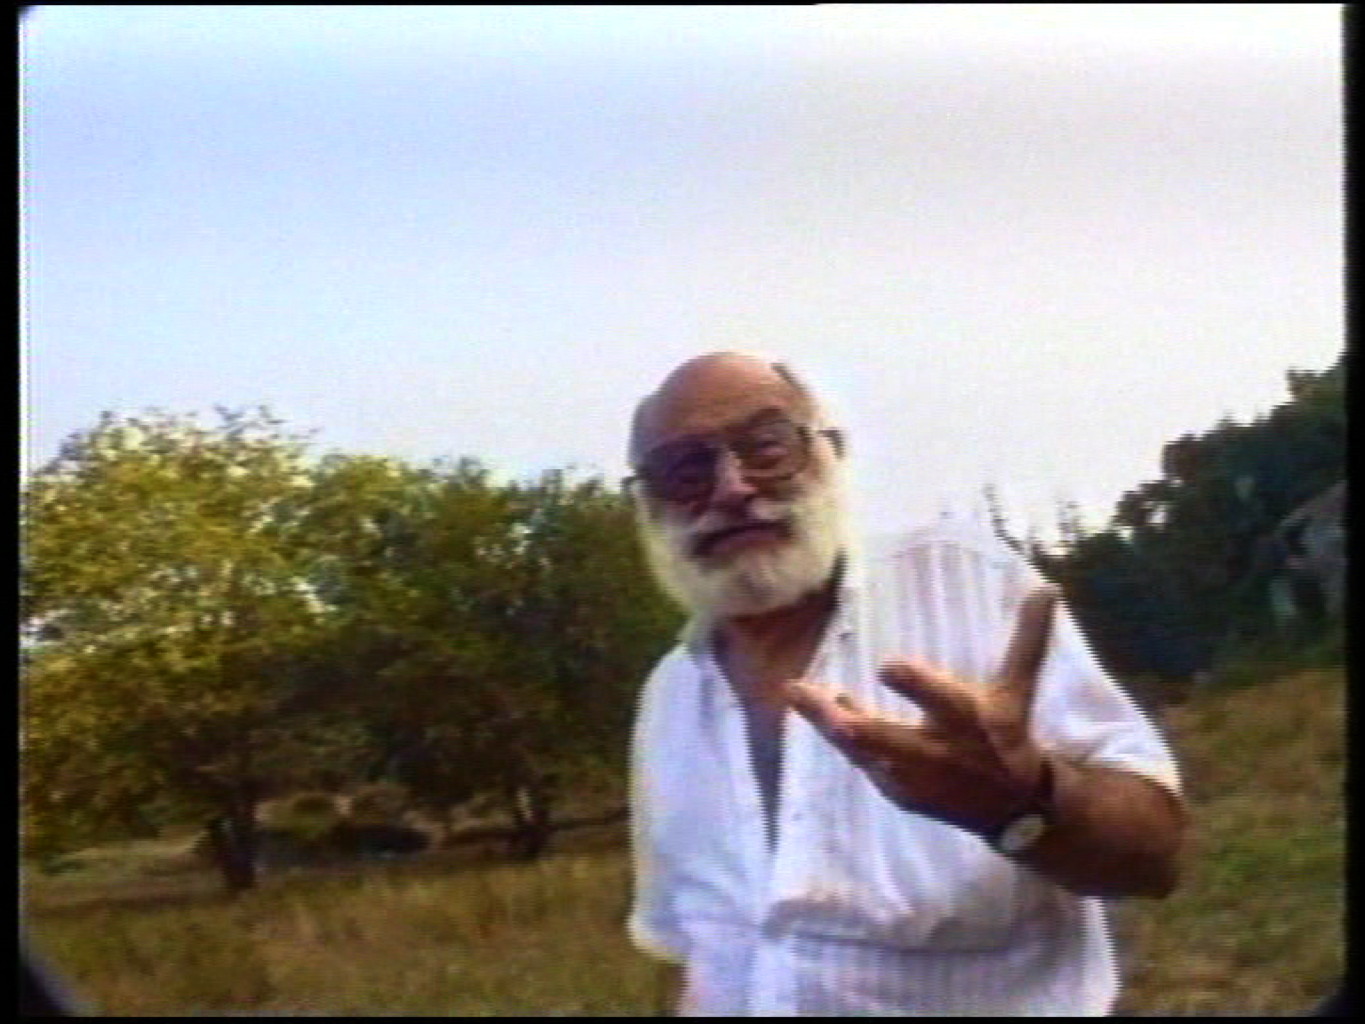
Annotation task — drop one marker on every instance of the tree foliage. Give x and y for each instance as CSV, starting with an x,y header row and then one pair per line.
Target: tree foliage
x,y
212,618
1182,575
495,635
168,626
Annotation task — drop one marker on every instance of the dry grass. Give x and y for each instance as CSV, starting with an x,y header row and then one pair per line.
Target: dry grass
x,y
1258,925
1255,929
545,938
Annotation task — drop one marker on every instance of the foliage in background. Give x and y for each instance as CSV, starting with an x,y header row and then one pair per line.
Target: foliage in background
x,y
211,619
1185,574
168,629
380,803
493,636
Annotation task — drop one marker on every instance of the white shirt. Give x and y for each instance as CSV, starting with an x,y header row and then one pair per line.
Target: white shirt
x,y
861,907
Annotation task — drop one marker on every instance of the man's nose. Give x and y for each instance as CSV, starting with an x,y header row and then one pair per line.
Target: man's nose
x,y
732,487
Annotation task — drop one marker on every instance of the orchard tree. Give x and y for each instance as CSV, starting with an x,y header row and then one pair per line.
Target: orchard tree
x,y
421,581
592,620
492,637
171,635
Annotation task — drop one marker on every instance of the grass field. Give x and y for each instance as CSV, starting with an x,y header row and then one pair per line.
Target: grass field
x,y
1256,928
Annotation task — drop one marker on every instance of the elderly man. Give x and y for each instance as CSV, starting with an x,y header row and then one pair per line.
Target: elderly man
x,y
888,781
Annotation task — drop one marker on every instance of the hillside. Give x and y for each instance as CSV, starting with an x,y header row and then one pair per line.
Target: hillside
x,y
1258,925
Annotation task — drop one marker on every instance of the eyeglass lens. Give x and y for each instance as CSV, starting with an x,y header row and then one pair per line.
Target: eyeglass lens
x,y
768,450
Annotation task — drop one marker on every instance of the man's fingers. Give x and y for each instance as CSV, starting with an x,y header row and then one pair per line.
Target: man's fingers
x,y
1028,646
939,695
833,714
866,739
880,739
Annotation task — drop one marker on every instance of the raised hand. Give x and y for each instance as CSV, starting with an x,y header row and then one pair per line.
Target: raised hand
x,y
973,762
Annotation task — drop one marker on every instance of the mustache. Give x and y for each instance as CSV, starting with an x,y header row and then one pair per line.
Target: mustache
x,y
713,527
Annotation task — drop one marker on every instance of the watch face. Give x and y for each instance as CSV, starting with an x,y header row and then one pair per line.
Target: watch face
x,y
1022,833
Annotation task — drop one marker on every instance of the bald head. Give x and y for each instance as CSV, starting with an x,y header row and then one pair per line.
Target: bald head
x,y
707,392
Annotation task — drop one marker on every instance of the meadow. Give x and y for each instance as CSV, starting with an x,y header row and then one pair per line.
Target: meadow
x,y
1255,928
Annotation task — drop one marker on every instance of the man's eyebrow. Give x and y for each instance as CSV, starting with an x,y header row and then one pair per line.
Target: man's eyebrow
x,y
771,412
764,415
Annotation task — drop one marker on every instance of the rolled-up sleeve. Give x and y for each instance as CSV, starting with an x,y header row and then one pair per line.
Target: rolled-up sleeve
x,y
1081,712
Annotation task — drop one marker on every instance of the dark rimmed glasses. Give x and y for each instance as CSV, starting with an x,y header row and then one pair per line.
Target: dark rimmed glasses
x,y
684,471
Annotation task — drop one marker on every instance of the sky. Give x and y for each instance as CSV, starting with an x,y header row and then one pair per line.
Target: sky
x,y
1017,245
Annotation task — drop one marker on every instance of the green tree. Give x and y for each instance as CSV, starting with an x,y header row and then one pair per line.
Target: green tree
x,y
422,580
590,624
1180,577
170,635
492,635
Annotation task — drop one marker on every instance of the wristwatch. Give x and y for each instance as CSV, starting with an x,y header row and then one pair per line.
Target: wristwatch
x,y
1022,831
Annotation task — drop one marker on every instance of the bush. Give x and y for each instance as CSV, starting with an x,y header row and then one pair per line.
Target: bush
x,y
379,803
308,818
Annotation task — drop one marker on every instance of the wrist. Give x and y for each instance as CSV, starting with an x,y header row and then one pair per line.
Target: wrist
x,y
1023,829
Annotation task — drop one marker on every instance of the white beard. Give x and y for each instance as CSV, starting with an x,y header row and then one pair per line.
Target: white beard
x,y
757,580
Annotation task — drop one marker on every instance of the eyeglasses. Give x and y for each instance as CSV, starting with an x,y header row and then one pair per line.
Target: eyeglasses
x,y
684,471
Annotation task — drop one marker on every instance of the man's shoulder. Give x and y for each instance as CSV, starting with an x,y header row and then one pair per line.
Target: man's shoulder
x,y
669,697
678,658
943,565
677,665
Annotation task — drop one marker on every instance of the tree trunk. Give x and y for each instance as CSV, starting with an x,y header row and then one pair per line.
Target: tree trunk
x,y
232,837
531,826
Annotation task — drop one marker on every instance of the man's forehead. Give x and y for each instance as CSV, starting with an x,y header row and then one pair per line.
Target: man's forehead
x,y
715,392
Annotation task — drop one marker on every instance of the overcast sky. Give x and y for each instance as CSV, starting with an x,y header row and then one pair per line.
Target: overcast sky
x,y
1019,244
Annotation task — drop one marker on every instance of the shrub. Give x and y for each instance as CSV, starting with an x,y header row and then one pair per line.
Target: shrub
x,y
379,803
308,817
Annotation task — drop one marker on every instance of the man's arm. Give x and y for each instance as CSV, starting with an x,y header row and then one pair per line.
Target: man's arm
x,y
975,764
1112,833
